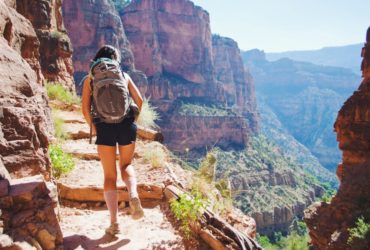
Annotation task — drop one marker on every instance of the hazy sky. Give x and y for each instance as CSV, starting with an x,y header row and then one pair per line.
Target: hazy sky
x,y
281,25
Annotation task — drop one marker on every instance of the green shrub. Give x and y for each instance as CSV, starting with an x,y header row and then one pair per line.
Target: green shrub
x,y
296,242
360,232
293,241
56,91
59,132
188,210
148,115
204,110
207,167
156,156
61,162
264,241
57,34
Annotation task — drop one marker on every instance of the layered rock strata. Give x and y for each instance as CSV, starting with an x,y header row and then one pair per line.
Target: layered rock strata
x,y
329,222
188,66
55,51
92,24
171,42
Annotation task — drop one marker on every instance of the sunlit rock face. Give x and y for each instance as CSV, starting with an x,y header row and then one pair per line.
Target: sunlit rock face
x,y
55,46
172,43
329,223
25,128
169,52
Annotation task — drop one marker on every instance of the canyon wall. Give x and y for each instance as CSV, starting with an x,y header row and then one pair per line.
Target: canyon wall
x,y
33,50
24,113
55,47
329,222
170,44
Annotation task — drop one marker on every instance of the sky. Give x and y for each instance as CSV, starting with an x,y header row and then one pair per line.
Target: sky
x,y
285,25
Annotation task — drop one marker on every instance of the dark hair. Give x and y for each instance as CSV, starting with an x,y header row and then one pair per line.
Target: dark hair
x,y
108,51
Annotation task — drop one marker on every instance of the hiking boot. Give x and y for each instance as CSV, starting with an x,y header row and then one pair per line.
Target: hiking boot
x,y
113,229
137,211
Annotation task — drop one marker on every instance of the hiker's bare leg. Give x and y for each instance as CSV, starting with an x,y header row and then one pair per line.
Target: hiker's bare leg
x,y
126,154
107,156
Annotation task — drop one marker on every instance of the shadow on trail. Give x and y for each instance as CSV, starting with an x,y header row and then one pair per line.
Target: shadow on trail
x,y
106,242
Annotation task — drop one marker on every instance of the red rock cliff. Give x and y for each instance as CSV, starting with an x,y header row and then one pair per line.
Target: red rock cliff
x,y
90,25
171,42
170,36
55,48
235,79
24,113
329,223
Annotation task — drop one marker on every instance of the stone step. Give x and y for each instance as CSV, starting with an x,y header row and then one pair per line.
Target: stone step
x,y
77,131
96,193
70,116
81,149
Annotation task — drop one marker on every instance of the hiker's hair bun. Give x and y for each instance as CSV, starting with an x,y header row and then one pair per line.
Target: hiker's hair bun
x,y
108,51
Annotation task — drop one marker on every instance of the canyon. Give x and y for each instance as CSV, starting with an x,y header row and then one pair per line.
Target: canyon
x,y
329,222
305,98
36,51
205,94
197,81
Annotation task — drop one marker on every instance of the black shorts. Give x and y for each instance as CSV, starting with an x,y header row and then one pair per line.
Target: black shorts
x,y
123,133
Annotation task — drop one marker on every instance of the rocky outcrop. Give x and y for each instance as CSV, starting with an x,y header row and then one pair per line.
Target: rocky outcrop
x,y
55,51
230,72
153,26
200,132
27,214
92,24
188,65
24,114
329,222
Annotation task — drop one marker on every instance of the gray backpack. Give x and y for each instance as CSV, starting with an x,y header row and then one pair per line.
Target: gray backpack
x,y
110,95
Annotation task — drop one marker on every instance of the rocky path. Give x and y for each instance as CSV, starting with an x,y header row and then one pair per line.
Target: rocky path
x,y
83,214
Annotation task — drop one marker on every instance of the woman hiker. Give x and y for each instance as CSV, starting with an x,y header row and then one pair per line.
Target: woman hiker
x,y
106,108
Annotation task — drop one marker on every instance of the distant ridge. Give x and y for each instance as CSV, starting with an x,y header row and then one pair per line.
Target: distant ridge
x,y
342,56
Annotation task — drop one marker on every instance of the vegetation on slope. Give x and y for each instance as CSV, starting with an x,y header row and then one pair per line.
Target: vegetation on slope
x,y
57,91
275,131
197,109
262,178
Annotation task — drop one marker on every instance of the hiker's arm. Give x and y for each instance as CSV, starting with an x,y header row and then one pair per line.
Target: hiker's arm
x,y
86,103
135,93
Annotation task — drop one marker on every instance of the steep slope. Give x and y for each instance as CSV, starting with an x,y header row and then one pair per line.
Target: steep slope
x,y
267,186
329,222
341,56
275,131
305,97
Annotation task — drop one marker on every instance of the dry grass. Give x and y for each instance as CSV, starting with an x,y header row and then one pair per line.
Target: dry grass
x,y
148,115
155,155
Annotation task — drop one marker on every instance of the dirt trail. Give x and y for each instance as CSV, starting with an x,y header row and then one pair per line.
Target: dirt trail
x,y
83,222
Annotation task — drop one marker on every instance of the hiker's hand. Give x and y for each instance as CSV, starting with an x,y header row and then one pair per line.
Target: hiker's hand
x,y
135,111
93,130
